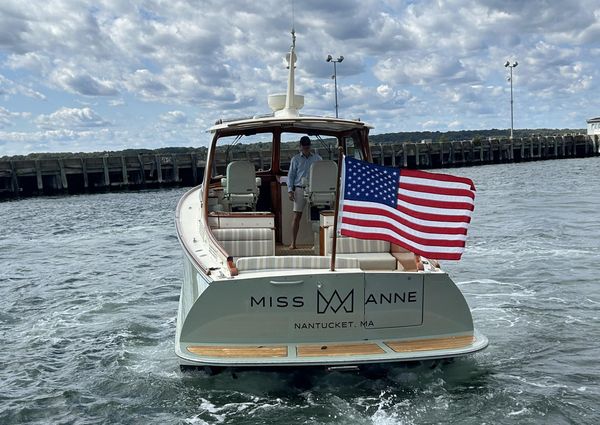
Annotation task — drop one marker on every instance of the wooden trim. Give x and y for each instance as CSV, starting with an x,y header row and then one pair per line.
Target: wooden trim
x,y
239,351
430,344
341,153
241,214
275,189
409,261
232,268
322,240
320,350
276,152
361,136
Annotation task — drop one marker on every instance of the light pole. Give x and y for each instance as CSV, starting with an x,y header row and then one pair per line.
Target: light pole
x,y
509,65
334,76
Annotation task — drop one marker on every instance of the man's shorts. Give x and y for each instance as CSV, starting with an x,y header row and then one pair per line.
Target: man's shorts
x,y
299,199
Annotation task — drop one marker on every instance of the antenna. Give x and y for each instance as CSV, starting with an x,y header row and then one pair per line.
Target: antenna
x,y
293,18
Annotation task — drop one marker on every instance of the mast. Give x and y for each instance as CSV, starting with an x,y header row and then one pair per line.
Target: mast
x,y
291,59
288,104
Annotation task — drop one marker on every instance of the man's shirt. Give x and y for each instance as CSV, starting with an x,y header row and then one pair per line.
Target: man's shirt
x,y
299,167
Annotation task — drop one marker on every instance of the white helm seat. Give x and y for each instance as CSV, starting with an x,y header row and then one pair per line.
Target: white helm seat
x,y
240,189
320,190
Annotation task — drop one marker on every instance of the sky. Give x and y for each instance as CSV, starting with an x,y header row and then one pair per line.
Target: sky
x,y
81,76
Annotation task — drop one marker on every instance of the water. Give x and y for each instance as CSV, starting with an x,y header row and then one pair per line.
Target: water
x,y
89,288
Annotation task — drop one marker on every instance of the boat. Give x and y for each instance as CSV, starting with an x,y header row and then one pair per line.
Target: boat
x,y
248,300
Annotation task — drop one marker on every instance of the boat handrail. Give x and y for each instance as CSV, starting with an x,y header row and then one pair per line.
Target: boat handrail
x,y
188,250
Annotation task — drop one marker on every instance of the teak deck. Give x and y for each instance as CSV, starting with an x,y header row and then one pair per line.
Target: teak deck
x,y
430,344
239,351
338,350
325,350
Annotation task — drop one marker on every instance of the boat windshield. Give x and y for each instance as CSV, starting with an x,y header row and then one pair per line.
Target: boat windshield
x,y
258,149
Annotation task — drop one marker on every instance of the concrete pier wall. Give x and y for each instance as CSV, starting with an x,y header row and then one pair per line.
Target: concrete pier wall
x,y
103,173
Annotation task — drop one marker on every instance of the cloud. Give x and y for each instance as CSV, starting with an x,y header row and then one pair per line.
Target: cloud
x,y
82,83
146,84
69,118
9,87
433,69
116,102
7,117
174,117
431,124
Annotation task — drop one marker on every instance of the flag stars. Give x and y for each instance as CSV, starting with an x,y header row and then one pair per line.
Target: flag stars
x,y
371,183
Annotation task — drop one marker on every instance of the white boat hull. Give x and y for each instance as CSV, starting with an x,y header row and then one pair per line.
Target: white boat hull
x,y
322,318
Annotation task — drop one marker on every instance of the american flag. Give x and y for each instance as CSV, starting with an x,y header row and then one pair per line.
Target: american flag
x,y
426,213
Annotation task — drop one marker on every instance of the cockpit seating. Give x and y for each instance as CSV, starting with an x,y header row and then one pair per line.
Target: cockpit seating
x,y
372,254
320,193
240,189
246,242
320,188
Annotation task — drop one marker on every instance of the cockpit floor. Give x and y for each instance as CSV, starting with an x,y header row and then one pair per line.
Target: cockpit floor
x,y
281,249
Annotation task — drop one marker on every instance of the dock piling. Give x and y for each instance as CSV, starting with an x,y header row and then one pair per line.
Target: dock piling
x,y
106,173
158,162
124,171
142,170
85,174
38,176
175,168
14,179
63,176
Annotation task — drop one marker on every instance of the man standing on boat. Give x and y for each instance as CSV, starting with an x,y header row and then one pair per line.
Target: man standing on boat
x,y
299,168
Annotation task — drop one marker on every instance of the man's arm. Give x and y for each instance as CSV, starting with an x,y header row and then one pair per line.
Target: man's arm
x,y
291,175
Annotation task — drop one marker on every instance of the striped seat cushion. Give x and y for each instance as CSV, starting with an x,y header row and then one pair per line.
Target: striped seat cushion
x,y
372,260
248,242
248,248
294,262
346,245
243,234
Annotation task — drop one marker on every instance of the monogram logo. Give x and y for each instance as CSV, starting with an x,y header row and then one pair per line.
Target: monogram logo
x,y
335,302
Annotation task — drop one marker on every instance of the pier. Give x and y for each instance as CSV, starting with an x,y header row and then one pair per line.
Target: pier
x,y
51,176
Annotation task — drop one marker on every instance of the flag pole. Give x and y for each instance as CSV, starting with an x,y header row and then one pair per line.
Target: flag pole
x,y
337,206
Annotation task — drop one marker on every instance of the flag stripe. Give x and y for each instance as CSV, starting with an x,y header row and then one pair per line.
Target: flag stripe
x,y
436,204
428,240
434,183
441,254
439,177
356,206
364,213
348,228
422,188
425,215
429,209
434,196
